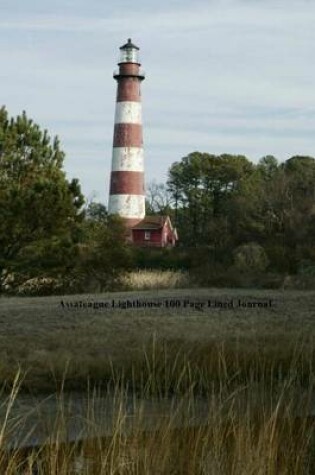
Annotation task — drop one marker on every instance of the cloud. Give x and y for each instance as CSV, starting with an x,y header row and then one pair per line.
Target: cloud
x,y
222,76
176,19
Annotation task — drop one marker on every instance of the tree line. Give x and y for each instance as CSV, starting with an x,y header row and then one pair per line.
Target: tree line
x,y
48,232
229,205
232,215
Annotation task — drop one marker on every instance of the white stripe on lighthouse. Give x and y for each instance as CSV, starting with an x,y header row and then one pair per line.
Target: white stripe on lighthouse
x,y
128,112
127,159
127,206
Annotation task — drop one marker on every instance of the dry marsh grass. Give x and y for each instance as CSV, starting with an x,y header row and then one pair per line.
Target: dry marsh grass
x,y
150,279
242,379
244,428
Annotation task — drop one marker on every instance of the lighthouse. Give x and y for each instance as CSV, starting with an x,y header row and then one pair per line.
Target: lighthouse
x,y
127,193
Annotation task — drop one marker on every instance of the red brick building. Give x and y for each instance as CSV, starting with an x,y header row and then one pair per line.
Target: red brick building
x,y
154,231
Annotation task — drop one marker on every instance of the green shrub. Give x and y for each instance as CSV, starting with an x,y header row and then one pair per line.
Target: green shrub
x,y
250,257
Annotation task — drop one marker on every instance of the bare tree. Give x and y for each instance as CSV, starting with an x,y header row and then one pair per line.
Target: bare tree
x,y
159,199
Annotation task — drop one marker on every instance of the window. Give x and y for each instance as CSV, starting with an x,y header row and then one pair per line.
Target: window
x,y
147,235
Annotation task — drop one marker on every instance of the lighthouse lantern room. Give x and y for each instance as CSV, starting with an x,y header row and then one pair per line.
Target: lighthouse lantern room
x,y
129,53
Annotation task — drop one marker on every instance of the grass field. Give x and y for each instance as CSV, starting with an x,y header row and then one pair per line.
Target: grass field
x,y
45,335
248,354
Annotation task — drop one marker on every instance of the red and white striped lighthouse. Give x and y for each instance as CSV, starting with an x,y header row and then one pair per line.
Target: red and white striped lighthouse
x,y
127,194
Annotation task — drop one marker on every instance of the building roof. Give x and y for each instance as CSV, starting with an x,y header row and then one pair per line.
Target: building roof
x,y
151,222
129,45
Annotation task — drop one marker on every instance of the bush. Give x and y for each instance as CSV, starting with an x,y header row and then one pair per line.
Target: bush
x,y
161,259
15,283
40,286
250,257
104,255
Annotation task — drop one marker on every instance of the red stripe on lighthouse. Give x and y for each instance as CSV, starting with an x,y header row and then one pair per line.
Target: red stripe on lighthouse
x,y
125,182
128,90
130,69
128,135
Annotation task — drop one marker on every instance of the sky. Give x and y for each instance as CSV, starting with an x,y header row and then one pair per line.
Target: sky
x,y
222,76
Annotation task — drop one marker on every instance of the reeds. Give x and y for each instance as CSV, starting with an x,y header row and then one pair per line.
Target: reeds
x,y
173,416
153,279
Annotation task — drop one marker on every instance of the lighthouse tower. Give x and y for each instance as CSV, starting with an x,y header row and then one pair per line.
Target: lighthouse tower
x,y
127,195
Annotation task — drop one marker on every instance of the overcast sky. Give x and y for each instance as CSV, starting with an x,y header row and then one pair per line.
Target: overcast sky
x,y
235,76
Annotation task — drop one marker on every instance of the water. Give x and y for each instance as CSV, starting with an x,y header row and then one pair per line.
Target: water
x,y
36,420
